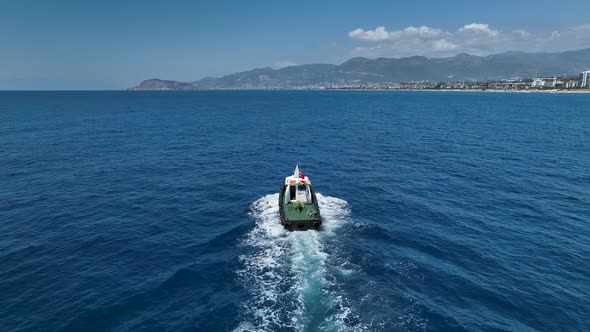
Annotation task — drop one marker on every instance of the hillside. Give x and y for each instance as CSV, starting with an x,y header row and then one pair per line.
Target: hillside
x,y
416,68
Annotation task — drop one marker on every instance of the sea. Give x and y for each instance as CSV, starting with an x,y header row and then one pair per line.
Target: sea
x,y
158,211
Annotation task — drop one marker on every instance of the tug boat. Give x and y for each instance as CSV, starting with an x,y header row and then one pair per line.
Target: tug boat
x,y
298,204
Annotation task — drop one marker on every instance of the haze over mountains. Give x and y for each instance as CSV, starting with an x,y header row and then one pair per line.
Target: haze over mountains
x,y
462,67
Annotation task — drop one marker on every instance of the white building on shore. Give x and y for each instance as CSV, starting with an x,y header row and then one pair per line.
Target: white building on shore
x,y
571,84
585,79
538,83
545,82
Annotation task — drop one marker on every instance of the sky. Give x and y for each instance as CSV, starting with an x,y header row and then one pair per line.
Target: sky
x,y
108,44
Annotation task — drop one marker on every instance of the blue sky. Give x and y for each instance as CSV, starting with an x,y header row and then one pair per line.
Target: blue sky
x,y
115,44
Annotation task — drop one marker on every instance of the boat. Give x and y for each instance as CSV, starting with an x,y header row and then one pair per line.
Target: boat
x,y
298,204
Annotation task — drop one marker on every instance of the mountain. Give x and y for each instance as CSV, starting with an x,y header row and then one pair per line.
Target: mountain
x,y
303,75
157,84
392,70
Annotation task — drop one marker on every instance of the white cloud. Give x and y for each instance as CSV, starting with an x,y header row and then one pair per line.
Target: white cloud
x,y
473,38
378,34
423,32
444,45
381,34
478,28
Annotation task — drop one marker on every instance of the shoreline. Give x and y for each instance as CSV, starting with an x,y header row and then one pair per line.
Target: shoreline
x,y
464,90
579,91
380,90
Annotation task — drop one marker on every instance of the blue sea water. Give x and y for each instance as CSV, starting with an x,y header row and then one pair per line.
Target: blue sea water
x,y
132,211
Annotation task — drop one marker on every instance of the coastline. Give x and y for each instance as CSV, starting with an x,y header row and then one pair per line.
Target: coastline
x,y
578,91
466,90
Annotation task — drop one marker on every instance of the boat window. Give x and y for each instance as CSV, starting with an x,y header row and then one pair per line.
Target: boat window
x,y
303,193
292,192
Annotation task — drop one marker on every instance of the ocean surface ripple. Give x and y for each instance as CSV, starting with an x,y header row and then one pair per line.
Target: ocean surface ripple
x,y
131,210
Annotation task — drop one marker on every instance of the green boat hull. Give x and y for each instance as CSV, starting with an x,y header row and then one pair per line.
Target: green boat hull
x,y
297,216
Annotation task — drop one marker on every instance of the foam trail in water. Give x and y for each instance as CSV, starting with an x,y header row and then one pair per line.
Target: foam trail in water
x,y
335,212
287,272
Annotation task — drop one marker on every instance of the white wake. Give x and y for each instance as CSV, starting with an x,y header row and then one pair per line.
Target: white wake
x,y
287,273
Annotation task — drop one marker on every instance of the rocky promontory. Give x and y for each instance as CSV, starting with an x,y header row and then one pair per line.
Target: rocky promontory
x,y
158,84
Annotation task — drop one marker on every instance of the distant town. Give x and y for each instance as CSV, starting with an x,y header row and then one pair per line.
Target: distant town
x,y
580,82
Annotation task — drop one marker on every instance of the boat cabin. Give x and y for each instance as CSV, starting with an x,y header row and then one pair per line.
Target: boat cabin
x,y
298,189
